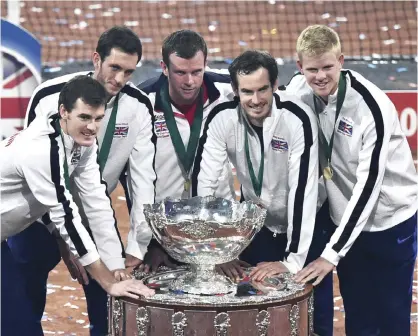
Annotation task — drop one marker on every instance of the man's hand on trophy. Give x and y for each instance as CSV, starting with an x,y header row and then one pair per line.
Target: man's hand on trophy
x,y
315,271
131,263
233,269
154,258
122,274
267,269
131,288
76,270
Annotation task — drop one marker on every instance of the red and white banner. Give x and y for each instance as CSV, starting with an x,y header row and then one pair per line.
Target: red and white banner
x,y
406,105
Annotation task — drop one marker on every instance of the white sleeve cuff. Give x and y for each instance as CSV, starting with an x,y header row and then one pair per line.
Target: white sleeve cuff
x,y
115,263
89,258
291,267
330,255
134,249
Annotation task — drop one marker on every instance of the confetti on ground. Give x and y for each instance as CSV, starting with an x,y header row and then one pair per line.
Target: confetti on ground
x,y
68,288
71,306
80,321
86,326
84,313
50,291
335,320
122,198
52,286
337,298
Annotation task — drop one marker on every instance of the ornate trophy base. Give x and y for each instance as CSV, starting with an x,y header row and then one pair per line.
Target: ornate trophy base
x,y
202,280
280,307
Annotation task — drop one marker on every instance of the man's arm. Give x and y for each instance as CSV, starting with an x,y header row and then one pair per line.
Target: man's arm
x,y
96,204
141,184
369,176
211,155
41,167
303,189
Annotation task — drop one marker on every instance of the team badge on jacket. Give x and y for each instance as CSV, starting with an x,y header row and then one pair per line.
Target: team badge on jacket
x,y
121,131
279,144
345,127
161,130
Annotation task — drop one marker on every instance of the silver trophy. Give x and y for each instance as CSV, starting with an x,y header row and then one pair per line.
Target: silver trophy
x,y
204,232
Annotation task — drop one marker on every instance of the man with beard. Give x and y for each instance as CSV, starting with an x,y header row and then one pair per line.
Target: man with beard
x,y
183,97
276,160
127,137
271,139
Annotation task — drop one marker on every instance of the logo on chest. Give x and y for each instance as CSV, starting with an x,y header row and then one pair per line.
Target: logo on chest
x,y
160,126
345,127
121,131
279,144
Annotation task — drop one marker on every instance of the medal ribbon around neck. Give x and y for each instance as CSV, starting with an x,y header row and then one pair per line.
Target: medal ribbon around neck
x,y
327,147
104,150
66,174
108,137
186,157
257,182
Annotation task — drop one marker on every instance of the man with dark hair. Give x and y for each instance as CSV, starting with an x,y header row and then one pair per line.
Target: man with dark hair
x,y
119,37
271,139
183,97
277,164
35,170
126,138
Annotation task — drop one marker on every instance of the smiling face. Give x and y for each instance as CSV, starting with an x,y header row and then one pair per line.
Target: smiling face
x,y
185,77
82,123
256,95
115,70
322,72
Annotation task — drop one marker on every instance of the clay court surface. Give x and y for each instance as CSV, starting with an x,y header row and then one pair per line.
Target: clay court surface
x,y
66,312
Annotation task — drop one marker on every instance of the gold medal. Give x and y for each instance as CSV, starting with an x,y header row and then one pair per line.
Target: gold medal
x,y
328,173
187,185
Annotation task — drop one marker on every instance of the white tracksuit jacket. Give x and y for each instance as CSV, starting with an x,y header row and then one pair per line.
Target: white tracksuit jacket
x,y
170,174
33,185
290,183
170,177
374,186
133,143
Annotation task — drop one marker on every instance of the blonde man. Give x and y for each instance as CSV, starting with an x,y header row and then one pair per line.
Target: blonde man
x,y
370,180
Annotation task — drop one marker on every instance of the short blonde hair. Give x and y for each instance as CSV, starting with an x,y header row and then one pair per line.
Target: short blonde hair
x,y
316,40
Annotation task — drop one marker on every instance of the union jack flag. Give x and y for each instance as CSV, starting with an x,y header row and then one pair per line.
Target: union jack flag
x,y
121,131
345,128
17,86
279,144
160,126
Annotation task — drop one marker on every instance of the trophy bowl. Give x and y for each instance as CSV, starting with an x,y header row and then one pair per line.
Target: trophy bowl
x,y
204,232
